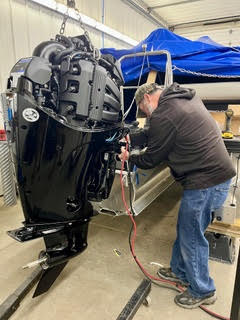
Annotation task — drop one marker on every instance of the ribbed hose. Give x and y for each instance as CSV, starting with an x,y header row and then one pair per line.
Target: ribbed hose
x,y
8,184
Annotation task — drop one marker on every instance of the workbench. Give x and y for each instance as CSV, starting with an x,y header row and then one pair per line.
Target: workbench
x,y
230,229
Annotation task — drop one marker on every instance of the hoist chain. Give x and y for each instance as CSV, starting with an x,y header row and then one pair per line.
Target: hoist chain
x,y
63,25
82,26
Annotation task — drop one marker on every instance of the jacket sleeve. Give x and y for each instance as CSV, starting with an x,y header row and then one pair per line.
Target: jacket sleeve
x,y
140,138
161,139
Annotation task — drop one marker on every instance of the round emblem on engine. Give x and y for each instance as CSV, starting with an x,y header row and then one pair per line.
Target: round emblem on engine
x,y
30,115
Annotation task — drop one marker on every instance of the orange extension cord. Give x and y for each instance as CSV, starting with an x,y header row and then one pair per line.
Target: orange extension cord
x,y
132,247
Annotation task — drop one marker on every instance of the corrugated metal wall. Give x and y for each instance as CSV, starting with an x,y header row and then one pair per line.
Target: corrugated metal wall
x,y
24,24
226,34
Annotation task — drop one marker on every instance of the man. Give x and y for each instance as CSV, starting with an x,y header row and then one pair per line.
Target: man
x,y
183,134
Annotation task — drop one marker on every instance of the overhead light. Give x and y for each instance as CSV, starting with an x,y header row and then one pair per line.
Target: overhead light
x,y
62,9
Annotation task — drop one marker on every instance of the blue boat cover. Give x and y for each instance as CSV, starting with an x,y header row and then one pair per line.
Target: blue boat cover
x,y
202,55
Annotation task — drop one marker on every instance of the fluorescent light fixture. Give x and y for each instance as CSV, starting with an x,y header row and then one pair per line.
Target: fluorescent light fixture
x,y
62,9
51,4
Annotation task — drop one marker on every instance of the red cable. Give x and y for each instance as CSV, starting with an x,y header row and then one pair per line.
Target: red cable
x,y
135,230
134,238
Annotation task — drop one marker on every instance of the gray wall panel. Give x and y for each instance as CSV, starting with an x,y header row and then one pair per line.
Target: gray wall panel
x,y
7,51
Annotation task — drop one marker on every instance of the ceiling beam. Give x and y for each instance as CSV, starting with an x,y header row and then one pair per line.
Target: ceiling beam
x,y
206,22
172,4
142,8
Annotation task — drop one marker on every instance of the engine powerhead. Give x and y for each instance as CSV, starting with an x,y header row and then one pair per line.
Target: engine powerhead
x,y
73,80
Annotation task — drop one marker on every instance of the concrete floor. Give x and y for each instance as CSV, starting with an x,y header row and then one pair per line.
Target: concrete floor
x,y
98,283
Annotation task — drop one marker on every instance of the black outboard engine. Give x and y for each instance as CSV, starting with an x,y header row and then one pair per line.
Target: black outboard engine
x,y
67,125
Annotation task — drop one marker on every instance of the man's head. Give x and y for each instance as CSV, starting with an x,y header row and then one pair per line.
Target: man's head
x,y
147,96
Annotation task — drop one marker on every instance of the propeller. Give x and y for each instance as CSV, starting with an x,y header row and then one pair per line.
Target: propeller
x,y
47,279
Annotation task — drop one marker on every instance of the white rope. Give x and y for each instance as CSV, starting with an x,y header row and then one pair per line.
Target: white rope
x,y
139,80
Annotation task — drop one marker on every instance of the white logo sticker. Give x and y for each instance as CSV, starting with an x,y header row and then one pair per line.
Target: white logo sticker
x,y
30,115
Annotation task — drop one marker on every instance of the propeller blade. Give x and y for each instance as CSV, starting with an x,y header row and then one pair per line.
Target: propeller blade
x,y
48,278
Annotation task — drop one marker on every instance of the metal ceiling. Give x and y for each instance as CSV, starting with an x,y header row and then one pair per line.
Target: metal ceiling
x,y
142,8
184,13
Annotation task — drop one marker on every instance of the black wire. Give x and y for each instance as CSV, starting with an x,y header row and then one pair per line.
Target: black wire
x,y
133,216
236,181
131,204
131,207
130,245
161,285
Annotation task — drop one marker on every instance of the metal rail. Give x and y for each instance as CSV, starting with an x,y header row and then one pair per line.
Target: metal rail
x,y
10,305
168,71
136,300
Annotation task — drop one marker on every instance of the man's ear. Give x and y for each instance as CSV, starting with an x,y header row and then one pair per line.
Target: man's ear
x,y
147,98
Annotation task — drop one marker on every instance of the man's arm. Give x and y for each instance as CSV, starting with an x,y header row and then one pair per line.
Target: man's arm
x,y
161,138
139,139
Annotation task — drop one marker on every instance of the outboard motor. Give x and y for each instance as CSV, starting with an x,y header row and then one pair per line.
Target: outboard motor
x,y
67,123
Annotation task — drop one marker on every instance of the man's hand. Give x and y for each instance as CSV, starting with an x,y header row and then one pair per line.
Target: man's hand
x,y
126,139
124,154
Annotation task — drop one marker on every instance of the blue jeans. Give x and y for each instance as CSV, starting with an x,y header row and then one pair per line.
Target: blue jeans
x,y
191,250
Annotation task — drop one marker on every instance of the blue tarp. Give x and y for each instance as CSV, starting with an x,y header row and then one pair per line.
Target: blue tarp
x,y
203,56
